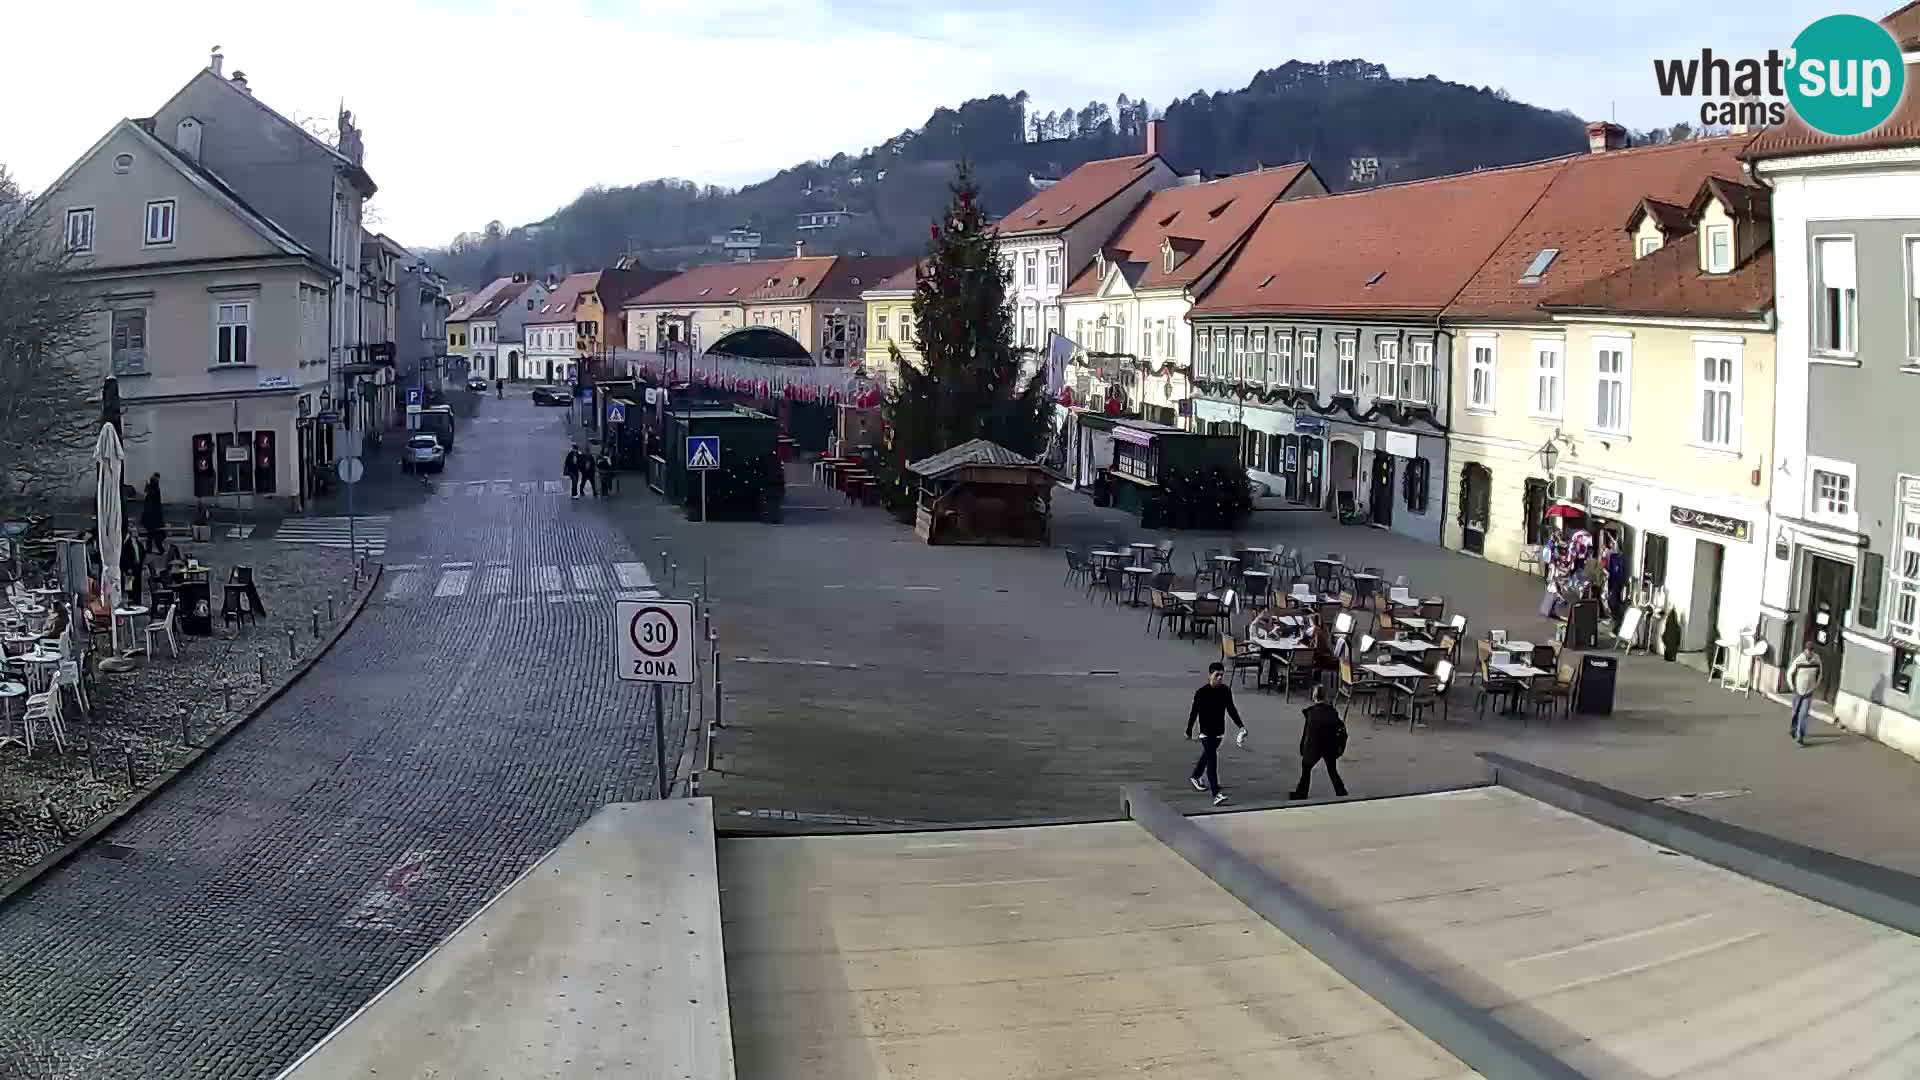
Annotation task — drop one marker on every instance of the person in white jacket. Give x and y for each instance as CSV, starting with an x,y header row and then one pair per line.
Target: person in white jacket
x,y
1804,673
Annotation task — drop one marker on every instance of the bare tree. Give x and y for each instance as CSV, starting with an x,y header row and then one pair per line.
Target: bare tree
x,y
49,389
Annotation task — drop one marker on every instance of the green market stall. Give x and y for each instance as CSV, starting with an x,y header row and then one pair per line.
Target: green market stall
x,y
1174,479
749,485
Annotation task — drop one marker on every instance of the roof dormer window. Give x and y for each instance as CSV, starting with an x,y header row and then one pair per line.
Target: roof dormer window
x,y
1166,258
1538,267
1718,249
1647,245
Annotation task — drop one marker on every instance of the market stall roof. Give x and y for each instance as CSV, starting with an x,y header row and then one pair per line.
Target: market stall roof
x,y
971,453
761,343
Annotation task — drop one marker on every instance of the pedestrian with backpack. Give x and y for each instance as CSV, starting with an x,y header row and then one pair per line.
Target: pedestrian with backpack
x,y
1212,704
1322,738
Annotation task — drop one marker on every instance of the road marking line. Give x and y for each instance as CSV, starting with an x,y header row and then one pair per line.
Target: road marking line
x,y
633,575
456,566
547,579
530,487
553,487
478,490
452,583
402,568
640,594
503,487
586,578
923,588
403,585
499,580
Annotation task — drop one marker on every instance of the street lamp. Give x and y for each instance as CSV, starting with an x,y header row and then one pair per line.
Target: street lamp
x,y
1549,456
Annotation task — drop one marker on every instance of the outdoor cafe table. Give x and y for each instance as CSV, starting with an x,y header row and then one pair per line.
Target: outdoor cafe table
x,y
1273,650
1141,548
1525,673
1413,647
11,694
44,663
132,613
1395,673
1364,586
1135,575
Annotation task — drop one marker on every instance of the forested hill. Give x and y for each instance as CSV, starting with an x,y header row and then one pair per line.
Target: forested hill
x,y
1327,113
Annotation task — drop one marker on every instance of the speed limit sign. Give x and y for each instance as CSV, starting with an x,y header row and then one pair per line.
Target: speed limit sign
x,y
654,640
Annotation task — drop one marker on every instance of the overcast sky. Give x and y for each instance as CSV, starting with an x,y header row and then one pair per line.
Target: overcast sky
x,y
477,110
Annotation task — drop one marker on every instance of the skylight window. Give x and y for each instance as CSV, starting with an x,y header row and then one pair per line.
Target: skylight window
x,y
704,292
1168,220
733,291
1538,267
1066,208
1033,213
1375,279
1218,210
1266,281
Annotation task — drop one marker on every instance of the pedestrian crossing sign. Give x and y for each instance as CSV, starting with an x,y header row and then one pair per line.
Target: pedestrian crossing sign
x,y
703,451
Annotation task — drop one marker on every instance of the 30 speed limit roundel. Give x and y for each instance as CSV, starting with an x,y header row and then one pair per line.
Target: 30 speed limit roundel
x,y
654,640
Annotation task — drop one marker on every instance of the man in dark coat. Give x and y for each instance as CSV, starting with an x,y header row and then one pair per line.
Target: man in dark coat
x,y
1212,705
573,470
1322,738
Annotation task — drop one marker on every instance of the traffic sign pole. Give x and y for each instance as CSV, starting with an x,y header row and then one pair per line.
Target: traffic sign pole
x,y
660,737
703,496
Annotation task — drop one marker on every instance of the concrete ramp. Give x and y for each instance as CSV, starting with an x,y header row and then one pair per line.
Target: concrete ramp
x,y
1027,953
1620,957
604,959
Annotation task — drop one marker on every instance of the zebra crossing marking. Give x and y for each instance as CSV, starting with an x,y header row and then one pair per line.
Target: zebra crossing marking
x,y
367,534
553,487
547,579
503,487
499,580
404,585
633,575
452,583
586,578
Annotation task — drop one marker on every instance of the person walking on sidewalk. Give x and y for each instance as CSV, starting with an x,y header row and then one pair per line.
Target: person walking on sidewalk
x,y
572,469
500,388
1212,704
1322,738
604,466
586,474
1804,673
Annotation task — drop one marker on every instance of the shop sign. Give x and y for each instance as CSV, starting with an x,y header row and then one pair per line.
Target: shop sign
x,y
1402,444
1605,499
275,382
1716,524
1309,425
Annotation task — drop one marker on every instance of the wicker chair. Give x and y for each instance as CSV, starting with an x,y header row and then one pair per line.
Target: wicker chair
x,y
1351,688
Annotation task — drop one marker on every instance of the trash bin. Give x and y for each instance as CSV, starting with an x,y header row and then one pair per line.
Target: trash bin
x,y
196,607
1593,688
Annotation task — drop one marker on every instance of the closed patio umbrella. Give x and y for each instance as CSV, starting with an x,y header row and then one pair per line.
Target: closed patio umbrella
x,y
110,457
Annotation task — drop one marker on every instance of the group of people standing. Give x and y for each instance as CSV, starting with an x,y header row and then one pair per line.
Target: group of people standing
x,y
1323,736
590,473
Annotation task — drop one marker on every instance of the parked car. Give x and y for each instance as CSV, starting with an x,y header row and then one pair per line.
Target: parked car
x,y
478,384
424,454
551,395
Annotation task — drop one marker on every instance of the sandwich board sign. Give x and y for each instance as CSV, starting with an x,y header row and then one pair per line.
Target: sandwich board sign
x,y
703,451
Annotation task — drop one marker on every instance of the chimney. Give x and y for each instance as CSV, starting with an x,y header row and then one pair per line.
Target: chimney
x,y
240,83
217,63
1603,135
186,138
799,249
1153,136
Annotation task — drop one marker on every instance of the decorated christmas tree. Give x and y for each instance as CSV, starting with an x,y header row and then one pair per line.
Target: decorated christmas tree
x,y
968,384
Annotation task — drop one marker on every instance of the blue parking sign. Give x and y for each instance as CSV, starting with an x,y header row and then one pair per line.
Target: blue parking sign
x,y
415,395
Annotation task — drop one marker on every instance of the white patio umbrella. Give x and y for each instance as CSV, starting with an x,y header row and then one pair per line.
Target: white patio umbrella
x,y
111,458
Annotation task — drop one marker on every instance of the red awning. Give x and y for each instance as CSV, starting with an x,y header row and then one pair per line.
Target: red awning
x,y
1565,510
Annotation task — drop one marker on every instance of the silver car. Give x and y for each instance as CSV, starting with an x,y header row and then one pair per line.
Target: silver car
x,y
424,454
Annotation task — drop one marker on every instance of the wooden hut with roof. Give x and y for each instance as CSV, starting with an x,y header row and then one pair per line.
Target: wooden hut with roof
x,y
983,493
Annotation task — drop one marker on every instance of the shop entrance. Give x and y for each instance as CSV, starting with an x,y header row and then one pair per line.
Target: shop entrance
x,y
1703,628
1476,497
1380,499
1829,593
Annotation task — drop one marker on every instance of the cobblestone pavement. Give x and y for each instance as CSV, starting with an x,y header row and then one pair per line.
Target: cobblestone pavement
x,y
141,715
870,676
452,737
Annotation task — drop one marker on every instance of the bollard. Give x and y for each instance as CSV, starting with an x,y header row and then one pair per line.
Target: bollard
x,y
316,622
290,650
663,564
673,577
226,695
260,655
329,609
719,689
186,736
132,782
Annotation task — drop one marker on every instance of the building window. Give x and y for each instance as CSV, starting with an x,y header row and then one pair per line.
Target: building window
x,y
1648,245
1253,450
1220,368
160,222
233,325
1345,373
1282,357
1053,268
1416,379
130,342
1170,350
1718,366
1906,565
1547,392
1386,367
1132,460
1239,370
1835,322
1027,331
1257,347
1719,249
1480,356
1309,377
1611,387
1033,267
1203,354
906,325
80,231
1830,492
1414,485
880,332
1913,297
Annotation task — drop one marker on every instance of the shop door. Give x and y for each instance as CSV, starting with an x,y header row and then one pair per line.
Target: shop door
x,y
513,366
1313,465
1290,466
1346,467
1829,593
1380,498
1703,628
1476,498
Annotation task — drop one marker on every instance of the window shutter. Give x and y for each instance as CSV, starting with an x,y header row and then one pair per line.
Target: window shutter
x,y
1873,567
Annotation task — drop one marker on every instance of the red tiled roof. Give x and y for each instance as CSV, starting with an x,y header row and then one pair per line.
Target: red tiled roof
x,y
476,301
1076,195
618,283
807,278
498,302
564,298
906,280
1425,239
1669,218
1900,129
1202,223
1669,282
1580,215
1746,201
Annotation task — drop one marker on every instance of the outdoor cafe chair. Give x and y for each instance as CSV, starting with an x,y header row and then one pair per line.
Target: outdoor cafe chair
x,y
1351,688
1163,608
1428,693
1240,657
164,628
1495,686
1383,627
1076,569
1163,555
1346,598
1433,610
1204,612
1551,695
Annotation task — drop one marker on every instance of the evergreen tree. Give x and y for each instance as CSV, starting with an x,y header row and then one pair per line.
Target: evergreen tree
x,y
968,384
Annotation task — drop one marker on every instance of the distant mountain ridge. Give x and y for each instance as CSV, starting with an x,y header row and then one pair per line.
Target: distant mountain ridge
x,y
1330,114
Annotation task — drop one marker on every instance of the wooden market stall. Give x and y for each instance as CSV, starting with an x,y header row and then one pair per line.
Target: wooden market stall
x,y
982,493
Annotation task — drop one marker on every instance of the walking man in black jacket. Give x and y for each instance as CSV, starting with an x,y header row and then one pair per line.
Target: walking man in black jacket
x,y
1322,738
1212,704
